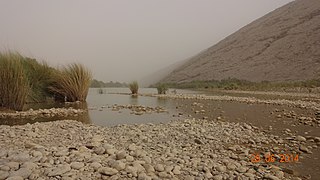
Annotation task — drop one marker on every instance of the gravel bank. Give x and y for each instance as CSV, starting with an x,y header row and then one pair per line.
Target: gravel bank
x,y
296,103
182,149
45,113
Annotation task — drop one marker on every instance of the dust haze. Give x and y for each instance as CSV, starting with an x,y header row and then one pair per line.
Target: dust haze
x,y
122,40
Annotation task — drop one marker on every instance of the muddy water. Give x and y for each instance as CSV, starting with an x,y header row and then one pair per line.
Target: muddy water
x,y
266,95
265,117
105,116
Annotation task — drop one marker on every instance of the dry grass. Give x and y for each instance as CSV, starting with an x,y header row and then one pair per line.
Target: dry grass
x,y
162,88
71,83
39,75
24,80
134,87
14,86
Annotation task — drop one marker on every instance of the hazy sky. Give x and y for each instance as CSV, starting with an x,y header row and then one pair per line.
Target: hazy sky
x,y
122,40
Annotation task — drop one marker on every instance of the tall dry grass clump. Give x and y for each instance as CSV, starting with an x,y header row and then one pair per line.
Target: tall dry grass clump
x,y
162,88
71,83
14,86
39,75
134,87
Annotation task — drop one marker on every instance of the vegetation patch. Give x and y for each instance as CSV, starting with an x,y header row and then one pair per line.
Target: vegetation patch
x,y
134,87
71,83
100,84
237,84
25,80
162,88
14,87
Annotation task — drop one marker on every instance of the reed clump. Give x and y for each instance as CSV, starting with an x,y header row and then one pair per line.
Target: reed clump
x,y
39,76
71,83
25,80
14,87
134,87
162,88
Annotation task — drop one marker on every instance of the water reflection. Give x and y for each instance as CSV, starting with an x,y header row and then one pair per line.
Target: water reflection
x,y
162,101
84,118
134,100
105,116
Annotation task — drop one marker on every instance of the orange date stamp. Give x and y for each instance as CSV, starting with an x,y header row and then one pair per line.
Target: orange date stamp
x,y
271,158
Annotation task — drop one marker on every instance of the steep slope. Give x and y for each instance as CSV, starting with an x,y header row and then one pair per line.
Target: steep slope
x,y
283,45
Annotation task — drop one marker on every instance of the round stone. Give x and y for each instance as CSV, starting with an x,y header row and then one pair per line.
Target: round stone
x,y
159,168
77,165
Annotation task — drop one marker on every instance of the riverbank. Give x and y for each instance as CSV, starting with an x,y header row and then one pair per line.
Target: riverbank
x,y
216,137
43,113
248,100
282,116
182,149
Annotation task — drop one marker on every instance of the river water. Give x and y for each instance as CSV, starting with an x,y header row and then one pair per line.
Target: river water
x,y
105,116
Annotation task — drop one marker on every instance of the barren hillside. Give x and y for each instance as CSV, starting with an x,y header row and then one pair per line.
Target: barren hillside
x,y
282,45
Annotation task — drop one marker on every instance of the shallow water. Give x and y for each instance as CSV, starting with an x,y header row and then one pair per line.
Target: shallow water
x,y
105,116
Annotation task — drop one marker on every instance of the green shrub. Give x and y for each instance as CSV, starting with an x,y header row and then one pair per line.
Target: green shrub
x,y
134,87
162,88
71,83
14,86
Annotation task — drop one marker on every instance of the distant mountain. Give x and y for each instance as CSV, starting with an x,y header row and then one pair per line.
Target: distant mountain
x,y
283,45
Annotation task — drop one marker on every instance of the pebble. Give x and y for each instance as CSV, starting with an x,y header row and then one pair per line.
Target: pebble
x,y
13,165
242,169
29,165
132,170
301,138
221,168
118,165
304,149
60,170
22,172
144,176
159,168
3,175
149,168
96,166
132,147
271,177
164,175
181,149
15,178
198,141
129,158
218,177
108,171
121,155
77,165
99,150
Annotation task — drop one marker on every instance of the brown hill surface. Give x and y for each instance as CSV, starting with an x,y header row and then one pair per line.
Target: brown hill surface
x,y
283,45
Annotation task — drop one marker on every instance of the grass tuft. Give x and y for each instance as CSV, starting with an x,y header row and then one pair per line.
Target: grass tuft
x,y
14,86
162,88
134,87
39,76
71,83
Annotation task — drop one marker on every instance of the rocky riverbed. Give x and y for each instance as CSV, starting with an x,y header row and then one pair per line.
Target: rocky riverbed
x,y
135,109
181,149
43,113
248,100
